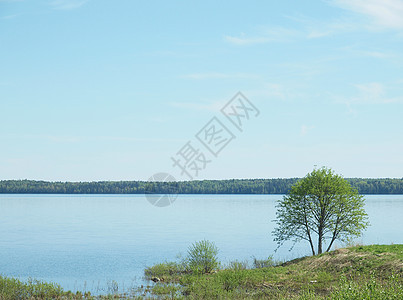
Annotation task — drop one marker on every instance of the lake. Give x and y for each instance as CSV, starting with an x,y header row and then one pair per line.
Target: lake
x,y
85,242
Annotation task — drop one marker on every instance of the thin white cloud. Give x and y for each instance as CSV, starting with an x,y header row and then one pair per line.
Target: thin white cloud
x,y
313,28
13,16
388,13
131,139
242,40
373,92
384,13
156,119
316,33
376,54
67,4
85,139
9,17
48,138
217,75
305,129
200,106
369,93
356,49
266,35
270,91
350,110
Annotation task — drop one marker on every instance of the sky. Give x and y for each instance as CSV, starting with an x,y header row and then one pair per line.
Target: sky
x,y
119,90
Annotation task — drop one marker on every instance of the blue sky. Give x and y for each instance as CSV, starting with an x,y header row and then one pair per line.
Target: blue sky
x,y
111,90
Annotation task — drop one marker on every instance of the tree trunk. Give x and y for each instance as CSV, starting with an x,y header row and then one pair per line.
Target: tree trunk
x,y
333,239
330,245
309,237
312,247
320,238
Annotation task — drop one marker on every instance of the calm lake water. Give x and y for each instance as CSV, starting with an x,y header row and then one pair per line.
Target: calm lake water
x,y
83,242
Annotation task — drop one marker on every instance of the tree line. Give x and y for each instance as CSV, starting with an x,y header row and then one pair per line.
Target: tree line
x,y
232,186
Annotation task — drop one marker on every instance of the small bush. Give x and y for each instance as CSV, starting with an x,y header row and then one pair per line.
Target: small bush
x,y
165,270
202,257
264,263
238,265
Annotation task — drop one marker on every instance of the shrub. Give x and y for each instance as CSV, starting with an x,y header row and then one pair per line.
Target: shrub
x,y
12,288
164,270
238,265
264,263
202,257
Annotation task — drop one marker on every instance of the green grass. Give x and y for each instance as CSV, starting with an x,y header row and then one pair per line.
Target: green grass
x,y
360,272
381,249
168,271
11,288
14,289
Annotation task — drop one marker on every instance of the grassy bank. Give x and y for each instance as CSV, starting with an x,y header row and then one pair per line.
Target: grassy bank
x,y
360,272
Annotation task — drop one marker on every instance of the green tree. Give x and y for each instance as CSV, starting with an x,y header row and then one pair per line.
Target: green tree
x,y
322,205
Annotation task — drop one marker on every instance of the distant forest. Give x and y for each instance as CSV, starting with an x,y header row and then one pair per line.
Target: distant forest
x,y
233,186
